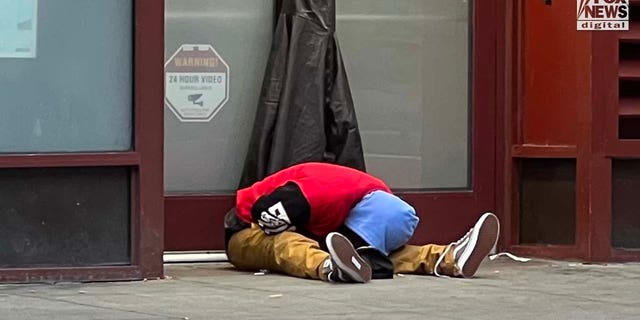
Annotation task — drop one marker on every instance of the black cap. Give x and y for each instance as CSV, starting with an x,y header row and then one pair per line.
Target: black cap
x,y
286,202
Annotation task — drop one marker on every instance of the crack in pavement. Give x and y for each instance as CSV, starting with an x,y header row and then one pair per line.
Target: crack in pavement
x,y
97,307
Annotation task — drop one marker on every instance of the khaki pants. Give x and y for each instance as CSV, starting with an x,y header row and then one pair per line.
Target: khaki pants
x,y
287,252
296,255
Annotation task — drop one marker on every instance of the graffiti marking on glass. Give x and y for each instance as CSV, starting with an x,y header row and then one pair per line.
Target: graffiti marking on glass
x,y
196,83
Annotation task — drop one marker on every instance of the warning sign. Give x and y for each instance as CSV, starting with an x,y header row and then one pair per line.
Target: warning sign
x,y
196,83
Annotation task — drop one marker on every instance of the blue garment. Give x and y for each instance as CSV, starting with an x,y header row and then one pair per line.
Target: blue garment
x,y
383,220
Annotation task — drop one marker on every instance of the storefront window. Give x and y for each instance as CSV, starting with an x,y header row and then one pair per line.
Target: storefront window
x,y
408,67
204,152
407,63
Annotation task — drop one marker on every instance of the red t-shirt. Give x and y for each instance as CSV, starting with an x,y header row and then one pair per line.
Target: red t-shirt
x,y
331,191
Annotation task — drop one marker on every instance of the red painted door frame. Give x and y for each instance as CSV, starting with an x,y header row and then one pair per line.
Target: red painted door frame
x,y
526,130
145,160
594,144
195,222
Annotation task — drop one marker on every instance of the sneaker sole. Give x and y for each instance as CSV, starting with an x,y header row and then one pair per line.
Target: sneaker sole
x,y
482,242
347,259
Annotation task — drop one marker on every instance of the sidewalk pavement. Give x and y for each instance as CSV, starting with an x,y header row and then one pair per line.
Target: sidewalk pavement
x,y
503,289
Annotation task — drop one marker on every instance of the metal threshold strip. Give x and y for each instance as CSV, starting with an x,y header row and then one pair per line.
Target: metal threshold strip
x,y
194,256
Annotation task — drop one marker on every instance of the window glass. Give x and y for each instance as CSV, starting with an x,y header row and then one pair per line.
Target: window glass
x,y
65,217
66,75
208,156
407,62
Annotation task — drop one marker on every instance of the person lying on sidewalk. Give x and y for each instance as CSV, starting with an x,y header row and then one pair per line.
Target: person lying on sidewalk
x,y
278,224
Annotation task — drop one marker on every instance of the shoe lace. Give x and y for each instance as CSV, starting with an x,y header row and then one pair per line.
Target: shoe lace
x,y
446,251
467,235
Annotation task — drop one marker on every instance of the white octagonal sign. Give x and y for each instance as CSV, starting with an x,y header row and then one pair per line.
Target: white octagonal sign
x,y
196,83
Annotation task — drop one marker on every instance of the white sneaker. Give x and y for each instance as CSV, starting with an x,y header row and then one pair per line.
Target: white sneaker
x,y
473,247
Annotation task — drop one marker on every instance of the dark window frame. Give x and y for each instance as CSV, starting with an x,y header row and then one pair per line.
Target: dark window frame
x,y
145,162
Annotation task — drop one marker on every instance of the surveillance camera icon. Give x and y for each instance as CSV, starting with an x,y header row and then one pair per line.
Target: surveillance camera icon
x,y
193,98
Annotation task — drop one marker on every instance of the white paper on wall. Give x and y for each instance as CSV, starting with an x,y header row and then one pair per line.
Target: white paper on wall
x,y
18,28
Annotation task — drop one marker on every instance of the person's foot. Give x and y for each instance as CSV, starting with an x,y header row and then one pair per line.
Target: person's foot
x,y
473,247
344,264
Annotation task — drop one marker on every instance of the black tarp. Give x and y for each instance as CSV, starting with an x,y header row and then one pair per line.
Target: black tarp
x,y
305,111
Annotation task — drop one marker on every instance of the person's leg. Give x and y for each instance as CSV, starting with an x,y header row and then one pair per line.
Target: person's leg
x,y
288,252
421,260
473,247
460,259
302,257
251,249
296,255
